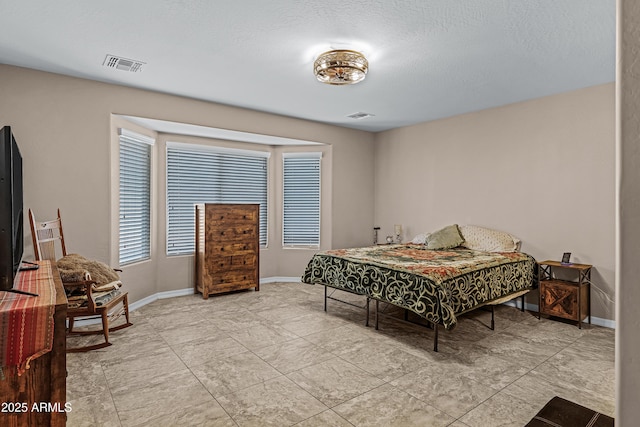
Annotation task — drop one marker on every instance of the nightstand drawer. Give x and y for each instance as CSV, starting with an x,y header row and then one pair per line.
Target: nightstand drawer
x,y
560,298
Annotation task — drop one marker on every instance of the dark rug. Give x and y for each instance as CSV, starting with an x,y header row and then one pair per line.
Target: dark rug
x,y
559,412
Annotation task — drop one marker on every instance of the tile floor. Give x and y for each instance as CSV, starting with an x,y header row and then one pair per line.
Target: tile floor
x,y
274,357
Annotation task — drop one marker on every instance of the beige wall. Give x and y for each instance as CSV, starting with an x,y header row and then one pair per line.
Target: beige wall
x,y
542,170
64,128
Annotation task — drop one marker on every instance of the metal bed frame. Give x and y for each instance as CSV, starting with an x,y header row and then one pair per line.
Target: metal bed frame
x,y
430,325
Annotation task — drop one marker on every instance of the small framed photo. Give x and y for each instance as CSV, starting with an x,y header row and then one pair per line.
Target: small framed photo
x,y
566,258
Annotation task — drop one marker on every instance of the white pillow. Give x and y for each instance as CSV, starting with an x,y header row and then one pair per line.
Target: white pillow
x,y
487,239
420,239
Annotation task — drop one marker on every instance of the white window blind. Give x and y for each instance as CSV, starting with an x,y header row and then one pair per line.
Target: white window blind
x,y
210,175
135,197
301,217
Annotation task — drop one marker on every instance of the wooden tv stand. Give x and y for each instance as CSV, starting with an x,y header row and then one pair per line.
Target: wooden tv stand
x,y
44,383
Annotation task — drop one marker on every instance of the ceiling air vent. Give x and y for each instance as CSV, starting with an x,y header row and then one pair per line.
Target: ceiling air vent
x,y
124,64
358,116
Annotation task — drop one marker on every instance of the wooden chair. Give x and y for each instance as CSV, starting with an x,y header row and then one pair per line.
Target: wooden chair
x,y
46,237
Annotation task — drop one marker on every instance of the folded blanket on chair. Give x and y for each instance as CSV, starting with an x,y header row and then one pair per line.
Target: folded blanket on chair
x,y
76,268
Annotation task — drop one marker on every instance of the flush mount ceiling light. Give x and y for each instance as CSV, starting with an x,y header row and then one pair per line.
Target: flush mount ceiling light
x,y
341,67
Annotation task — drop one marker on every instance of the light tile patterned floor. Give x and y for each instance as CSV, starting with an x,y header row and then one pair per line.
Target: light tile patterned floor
x,y
274,357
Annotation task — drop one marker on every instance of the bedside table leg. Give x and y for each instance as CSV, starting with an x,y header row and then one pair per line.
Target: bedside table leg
x,y
579,308
589,296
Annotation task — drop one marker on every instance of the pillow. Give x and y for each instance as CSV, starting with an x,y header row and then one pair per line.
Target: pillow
x,y
488,240
420,239
445,238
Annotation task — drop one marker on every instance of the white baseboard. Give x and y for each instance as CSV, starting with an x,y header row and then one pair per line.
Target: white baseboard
x,y
160,295
280,279
607,323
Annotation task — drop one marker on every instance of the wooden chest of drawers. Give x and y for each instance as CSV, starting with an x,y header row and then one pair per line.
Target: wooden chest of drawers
x,y
227,248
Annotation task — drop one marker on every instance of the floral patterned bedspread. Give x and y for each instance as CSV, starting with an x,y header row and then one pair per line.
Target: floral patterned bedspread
x,y
436,285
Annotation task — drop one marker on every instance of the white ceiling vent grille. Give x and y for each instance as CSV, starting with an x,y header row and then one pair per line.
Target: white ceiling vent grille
x,y
358,116
124,64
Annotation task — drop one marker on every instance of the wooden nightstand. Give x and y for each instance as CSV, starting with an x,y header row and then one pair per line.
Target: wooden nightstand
x,y
569,299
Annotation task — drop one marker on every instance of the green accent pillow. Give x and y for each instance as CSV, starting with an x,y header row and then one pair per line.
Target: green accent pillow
x,y
445,238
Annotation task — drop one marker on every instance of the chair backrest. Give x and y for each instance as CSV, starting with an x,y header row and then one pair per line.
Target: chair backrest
x,y
46,237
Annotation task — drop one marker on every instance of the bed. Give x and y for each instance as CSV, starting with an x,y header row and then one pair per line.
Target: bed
x,y
437,285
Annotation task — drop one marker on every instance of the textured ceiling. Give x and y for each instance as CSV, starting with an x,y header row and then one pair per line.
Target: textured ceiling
x,y
428,59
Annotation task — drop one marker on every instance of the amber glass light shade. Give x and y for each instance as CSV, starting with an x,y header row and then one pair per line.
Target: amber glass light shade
x,y
341,67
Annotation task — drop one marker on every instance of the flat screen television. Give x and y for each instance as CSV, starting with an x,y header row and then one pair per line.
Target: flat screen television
x,y
11,217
